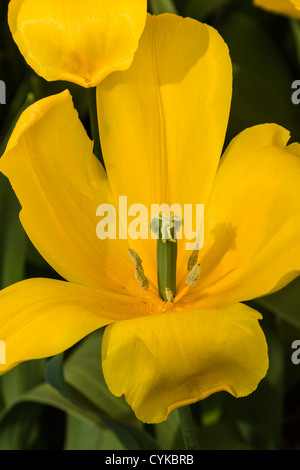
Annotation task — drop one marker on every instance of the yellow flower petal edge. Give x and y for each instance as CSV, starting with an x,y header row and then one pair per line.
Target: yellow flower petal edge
x,y
59,182
289,8
252,245
43,317
167,361
296,3
80,42
151,113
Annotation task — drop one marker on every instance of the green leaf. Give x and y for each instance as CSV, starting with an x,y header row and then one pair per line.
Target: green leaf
x,y
262,77
13,239
162,6
220,436
54,375
200,10
252,46
295,28
21,379
21,101
259,416
285,304
88,436
78,394
83,372
131,437
169,433
20,428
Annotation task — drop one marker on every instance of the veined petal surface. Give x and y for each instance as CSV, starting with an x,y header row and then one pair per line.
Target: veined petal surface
x,y
50,163
79,41
252,245
162,362
43,317
163,121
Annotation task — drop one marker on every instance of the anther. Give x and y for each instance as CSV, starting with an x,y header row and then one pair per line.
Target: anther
x,y
192,260
141,278
139,270
135,258
169,295
193,276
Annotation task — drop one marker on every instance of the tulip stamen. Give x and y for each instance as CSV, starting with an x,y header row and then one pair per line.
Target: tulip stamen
x,y
139,270
141,278
135,258
192,260
169,295
193,276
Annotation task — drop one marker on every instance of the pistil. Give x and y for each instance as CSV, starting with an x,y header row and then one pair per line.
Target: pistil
x,y
166,267
166,251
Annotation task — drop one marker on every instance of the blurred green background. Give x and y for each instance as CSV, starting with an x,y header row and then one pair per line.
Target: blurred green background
x,y
63,402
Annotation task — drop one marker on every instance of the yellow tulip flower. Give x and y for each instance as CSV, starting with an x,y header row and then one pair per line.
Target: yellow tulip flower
x,y
162,125
283,7
80,42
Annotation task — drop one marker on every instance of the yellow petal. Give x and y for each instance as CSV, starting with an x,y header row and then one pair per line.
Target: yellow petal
x,y
163,121
80,41
167,361
43,317
282,7
50,163
252,244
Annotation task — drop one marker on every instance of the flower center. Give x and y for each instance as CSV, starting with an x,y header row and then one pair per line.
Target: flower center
x,y
165,229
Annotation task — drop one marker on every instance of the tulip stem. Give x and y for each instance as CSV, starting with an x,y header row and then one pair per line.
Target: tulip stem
x,y
188,428
94,123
